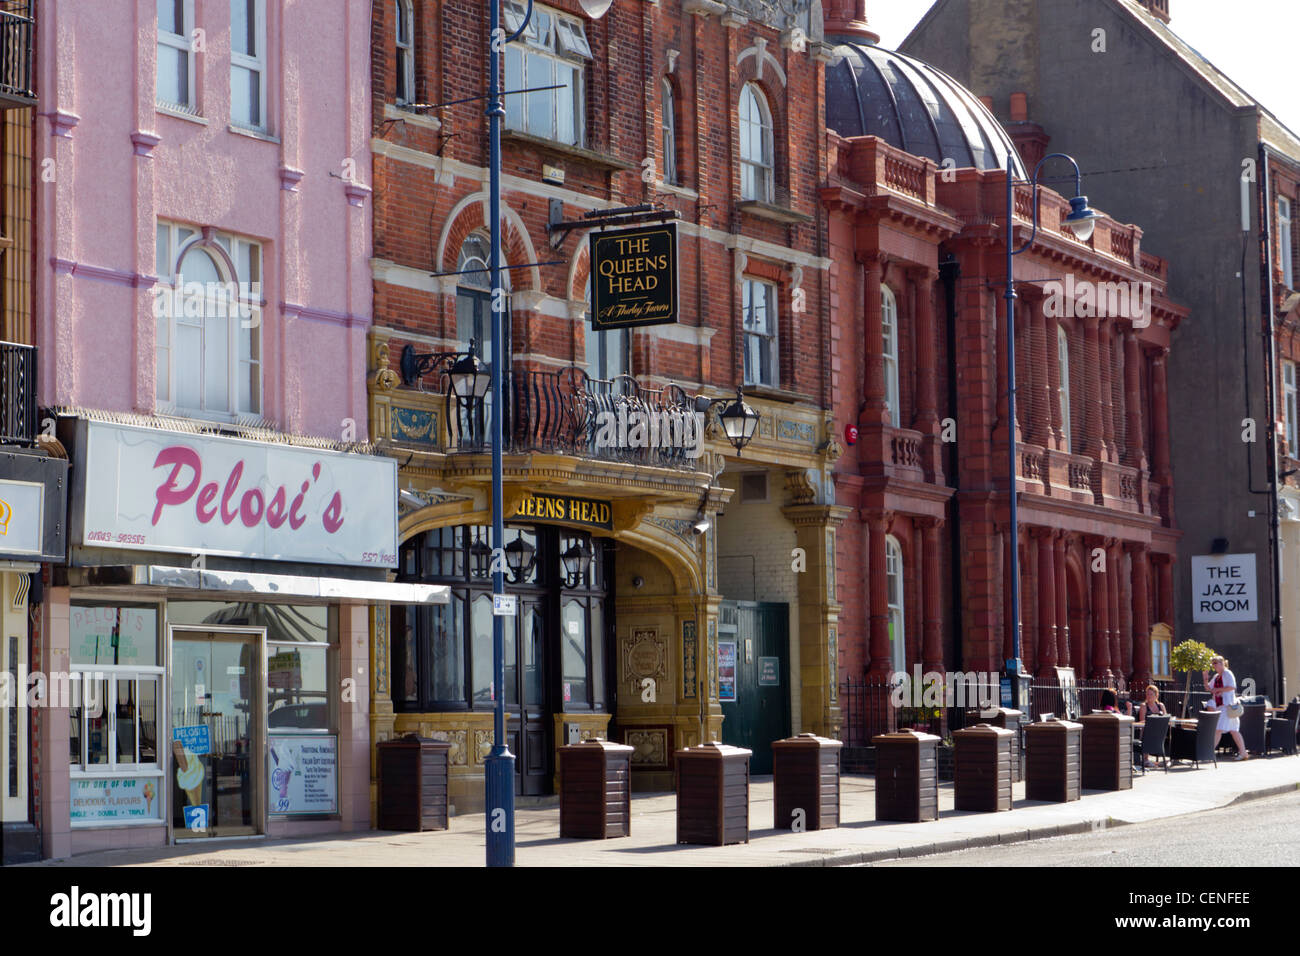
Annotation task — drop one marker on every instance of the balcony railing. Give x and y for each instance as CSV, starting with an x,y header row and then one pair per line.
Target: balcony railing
x,y
17,394
16,33
566,412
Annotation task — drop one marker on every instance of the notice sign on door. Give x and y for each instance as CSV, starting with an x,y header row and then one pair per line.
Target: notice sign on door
x,y
726,670
1223,588
769,672
304,774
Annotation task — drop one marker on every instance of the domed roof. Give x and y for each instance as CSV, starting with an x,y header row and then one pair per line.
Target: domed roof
x,y
871,91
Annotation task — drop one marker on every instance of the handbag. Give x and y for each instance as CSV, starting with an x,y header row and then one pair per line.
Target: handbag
x,y
1236,709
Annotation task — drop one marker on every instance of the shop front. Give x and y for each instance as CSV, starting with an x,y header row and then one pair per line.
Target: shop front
x,y
213,616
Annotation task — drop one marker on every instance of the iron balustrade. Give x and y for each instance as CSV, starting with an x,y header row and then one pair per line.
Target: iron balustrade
x,y
17,394
567,412
16,32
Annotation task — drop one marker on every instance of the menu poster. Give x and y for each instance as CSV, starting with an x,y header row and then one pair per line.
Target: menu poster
x,y
726,670
115,799
303,774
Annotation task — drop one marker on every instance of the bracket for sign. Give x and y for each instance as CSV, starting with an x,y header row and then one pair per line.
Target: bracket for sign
x,y
600,218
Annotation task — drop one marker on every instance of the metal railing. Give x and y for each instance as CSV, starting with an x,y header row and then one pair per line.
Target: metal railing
x,y
17,394
567,412
16,50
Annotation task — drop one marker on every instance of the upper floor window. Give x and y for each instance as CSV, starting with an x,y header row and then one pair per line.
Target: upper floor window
x,y
405,89
1284,241
894,588
759,307
175,56
889,351
1063,386
1289,393
248,63
551,52
209,310
607,353
669,127
755,145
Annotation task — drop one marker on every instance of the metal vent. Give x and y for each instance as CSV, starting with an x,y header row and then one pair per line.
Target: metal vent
x,y
753,486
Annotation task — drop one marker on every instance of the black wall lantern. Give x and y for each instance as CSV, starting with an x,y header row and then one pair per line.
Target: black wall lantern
x,y
576,560
520,559
739,421
469,382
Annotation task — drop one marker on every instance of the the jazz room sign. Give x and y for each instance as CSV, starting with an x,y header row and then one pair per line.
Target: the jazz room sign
x,y
1223,588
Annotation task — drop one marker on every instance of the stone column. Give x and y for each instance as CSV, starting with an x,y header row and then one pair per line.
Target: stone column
x,y
1040,416
1056,423
932,598
926,419
1047,603
1141,616
1062,604
1164,587
1091,443
873,394
1160,432
1100,614
880,663
1120,664
1105,369
1133,402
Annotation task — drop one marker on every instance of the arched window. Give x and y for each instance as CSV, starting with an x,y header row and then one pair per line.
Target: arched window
x,y
1063,388
669,126
209,314
889,350
894,586
755,145
405,44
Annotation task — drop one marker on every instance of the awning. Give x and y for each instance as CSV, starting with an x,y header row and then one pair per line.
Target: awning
x,y
286,585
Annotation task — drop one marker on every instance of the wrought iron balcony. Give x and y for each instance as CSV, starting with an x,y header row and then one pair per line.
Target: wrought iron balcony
x,y
566,412
17,394
17,82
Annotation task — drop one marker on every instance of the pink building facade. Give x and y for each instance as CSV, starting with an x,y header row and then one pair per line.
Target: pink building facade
x,y
203,295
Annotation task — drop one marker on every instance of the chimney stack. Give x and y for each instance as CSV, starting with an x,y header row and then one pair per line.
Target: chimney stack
x,y
1030,139
847,20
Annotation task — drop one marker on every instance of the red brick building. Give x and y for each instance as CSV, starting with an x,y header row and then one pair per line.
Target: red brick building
x,y
916,196
712,109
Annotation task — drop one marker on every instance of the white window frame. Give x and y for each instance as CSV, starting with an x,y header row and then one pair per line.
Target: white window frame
x,y
182,42
561,41
889,352
1063,384
600,347
404,94
253,64
1284,241
757,173
668,131
181,239
895,589
753,340
1289,408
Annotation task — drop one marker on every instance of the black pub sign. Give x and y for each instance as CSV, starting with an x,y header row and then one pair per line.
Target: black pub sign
x,y
634,277
581,511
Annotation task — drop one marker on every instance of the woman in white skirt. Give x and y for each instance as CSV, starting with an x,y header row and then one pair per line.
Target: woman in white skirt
x,y
1224,689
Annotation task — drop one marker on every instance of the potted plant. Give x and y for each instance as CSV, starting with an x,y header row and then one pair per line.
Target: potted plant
x,y
1187,657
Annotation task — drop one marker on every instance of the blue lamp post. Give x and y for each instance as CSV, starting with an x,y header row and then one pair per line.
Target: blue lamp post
x,y
499,767
1082,219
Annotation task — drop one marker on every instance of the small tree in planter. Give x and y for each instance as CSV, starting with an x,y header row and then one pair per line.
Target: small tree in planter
x,y
1187,657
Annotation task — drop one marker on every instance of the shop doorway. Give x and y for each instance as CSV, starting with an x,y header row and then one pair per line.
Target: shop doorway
x,y
216,733
754,677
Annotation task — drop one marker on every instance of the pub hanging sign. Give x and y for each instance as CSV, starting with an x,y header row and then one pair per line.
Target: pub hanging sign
x,y
634,277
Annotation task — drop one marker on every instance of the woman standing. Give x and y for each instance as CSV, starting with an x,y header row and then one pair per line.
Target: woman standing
x,y
1224,689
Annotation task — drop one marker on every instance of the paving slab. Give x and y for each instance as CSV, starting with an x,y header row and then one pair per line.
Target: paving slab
x,y
860,838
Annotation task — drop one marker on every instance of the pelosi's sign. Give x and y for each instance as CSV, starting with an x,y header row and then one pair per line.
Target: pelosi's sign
x,y
151,490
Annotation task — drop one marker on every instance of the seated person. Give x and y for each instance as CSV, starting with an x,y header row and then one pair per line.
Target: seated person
x,y
1152,705
1109,702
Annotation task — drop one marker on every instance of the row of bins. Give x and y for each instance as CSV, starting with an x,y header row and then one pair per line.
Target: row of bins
x,y
1060,759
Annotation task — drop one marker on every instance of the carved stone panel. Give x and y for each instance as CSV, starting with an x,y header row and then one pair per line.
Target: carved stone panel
x,y
644,655
649,747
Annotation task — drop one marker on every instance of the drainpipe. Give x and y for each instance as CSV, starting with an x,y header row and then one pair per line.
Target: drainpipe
x,y
1266,220
949,273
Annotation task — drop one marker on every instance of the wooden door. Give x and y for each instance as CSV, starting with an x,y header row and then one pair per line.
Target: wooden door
x,y
526,700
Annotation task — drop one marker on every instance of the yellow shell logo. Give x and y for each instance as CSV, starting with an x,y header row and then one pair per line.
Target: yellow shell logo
x,y
5,513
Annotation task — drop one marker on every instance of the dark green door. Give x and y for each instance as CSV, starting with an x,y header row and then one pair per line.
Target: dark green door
x,y
754,668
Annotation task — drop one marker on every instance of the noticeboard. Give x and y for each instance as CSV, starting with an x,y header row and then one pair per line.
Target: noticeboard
x,y
634,277
1069,692
726,670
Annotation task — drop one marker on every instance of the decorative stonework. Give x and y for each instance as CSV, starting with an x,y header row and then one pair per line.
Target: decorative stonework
x,y
414,425
795,431
799,485
678,526
832,664
649,748
379,645
644,655
713,658
482,745
456,738
689,653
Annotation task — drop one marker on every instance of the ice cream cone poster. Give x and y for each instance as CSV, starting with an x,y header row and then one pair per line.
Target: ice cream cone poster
x,y
126,798
303,773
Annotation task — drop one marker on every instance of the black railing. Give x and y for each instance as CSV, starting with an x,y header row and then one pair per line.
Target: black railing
x,y
566,412
16,33
17,394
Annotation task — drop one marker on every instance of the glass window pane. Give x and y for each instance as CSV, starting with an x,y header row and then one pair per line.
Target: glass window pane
x,y
597,649
126,715
565,102
124,636
405,661
147,701
512,664
245,96
243,27
173,76
75,714
481,649
297,687
171,16
514,81
573,653
97,743
162,259
448,650
216,363
541,103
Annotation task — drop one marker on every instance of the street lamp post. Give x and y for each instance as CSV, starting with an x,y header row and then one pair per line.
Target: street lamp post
x,y
1081,220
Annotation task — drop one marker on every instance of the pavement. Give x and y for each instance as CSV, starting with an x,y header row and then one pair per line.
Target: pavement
x,y
859,838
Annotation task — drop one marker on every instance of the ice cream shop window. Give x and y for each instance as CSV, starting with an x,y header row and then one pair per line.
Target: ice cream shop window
x,y
112,693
